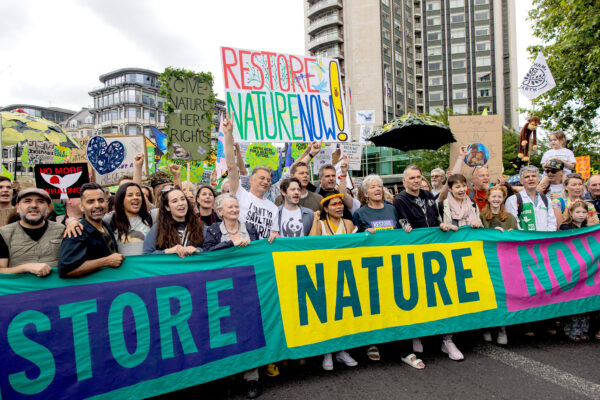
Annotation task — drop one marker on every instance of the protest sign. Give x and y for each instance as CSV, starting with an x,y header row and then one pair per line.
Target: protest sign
x,y
354,153
196,168
161,323
483,130
60,154
39,152
365,132
275,97
538,80
365,117
190,101
112,157
61,181
325,156
582,166
298,149
262,154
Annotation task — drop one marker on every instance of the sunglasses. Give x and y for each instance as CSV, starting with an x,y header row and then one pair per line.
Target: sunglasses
x,y
551,171
169,189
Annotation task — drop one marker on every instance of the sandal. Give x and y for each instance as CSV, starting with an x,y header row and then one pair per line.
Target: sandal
x,y
413,361
373,353
597,335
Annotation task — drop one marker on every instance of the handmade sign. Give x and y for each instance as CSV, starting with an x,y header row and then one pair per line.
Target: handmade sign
x,y
262,154
160,323
60,154
196,168
112,157
365,117
190,101
486,132
582,166
39,152
353,151
325,156
275,97
61,181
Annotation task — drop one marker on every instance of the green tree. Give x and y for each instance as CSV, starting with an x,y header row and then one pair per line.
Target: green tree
x,y
570,31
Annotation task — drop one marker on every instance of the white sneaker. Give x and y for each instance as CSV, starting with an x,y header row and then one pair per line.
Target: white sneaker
x,y
327,362
345,358
487,336
453,352
502,337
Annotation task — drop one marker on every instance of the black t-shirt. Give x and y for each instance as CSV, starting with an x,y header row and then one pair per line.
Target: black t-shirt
x,y
35,234
417,211
210,219
347,214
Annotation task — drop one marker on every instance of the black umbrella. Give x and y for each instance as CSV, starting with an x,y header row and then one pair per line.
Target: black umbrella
x,y
413,132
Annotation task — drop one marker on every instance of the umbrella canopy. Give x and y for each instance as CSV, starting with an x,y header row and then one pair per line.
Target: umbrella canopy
x,y
17,127
412,132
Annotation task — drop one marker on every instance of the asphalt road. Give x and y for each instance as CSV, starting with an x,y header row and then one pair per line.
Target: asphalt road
x,y
543,367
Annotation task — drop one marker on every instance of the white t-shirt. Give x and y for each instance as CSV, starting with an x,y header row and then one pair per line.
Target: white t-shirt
x,y
291,223
262,214
563,154
556,189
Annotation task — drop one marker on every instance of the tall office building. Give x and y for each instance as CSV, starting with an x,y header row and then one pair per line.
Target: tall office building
x,y
419,55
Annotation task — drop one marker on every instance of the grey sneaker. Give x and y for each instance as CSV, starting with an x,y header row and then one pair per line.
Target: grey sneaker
x,y
327,362
345,358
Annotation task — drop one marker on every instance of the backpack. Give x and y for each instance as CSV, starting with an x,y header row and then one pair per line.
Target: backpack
x,y
544,199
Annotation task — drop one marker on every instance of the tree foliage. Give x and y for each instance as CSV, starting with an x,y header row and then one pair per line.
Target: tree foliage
x,y
570,31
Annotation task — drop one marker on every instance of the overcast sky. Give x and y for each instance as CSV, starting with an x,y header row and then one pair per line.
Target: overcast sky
x,y
52,52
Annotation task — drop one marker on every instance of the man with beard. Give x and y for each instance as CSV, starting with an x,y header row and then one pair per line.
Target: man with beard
x,y
294,220
328,180
308,199
593,194
96,247
6,196
31,245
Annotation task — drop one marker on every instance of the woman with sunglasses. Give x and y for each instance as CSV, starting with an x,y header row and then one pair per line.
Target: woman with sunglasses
x,y
573,190
177,230
205,203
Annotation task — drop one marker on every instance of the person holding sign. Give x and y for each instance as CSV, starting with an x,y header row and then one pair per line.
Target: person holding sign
x,y
375,214
261,213
32,244
96,247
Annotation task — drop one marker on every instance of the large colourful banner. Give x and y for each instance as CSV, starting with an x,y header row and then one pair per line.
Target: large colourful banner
x,y
284,98
159,323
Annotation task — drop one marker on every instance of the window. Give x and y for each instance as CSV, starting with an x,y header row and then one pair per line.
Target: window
x,y
484,92
458,48
161,118
482,30
132,130
433,5
435,66
484,61
482,15
460,109
148,98
133,112
482,46
434,51
386,2
434,21
149,114
457,18
479,2
398,56
457,33
433,36
457,3
484,77
459,64
435,80
435,96
459,94
459,79
482,107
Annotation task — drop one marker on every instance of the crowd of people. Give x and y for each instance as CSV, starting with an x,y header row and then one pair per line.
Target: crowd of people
x,y
81,236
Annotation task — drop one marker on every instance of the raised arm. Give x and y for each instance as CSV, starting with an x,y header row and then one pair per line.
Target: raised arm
x,y
176,171
347,200
138,164
233,172
240,161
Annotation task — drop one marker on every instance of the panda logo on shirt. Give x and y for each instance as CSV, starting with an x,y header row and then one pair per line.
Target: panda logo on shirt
x,y
292,227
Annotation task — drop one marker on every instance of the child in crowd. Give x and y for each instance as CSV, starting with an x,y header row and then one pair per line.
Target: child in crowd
x,y
577,326
558,142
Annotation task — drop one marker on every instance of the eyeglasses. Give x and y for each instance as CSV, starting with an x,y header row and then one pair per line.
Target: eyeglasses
x,y
551,171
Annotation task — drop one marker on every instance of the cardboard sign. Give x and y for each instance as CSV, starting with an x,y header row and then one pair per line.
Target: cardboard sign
x,y
262,154
354,153
484,130
189,125
112,157
277,97
61,181
325,156
40,152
